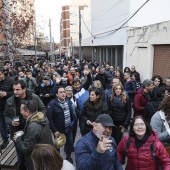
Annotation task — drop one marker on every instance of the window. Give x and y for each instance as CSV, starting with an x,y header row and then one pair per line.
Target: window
x,y
72,23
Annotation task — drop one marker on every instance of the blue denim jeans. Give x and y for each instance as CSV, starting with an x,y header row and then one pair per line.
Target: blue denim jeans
x,y
3,127
69,141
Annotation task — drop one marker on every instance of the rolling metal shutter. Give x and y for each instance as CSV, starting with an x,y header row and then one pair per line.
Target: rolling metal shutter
x,y
161,63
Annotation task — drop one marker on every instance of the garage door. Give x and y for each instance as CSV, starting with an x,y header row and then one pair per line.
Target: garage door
x,y
161,63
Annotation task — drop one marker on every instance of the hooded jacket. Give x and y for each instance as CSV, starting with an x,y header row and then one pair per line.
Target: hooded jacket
x,y
141,158
36,131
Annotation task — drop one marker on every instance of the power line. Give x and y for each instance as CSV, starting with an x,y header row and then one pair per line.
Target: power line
x,y
115,30
111,25
103,9
87,27
115,5
115,16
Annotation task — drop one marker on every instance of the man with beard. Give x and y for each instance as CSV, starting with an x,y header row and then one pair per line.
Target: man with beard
x,y
12,110
97,149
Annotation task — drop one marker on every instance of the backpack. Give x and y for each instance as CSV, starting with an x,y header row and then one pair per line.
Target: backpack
x,y
154,157
151,148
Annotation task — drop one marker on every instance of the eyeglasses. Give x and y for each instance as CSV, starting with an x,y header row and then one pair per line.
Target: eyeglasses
x,y
139,124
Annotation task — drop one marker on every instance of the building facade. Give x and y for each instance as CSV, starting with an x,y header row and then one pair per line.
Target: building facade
x,y
17,25
110,22
148,48
69,24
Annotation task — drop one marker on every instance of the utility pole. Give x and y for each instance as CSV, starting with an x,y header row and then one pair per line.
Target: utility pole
x,y
8,32
35,41
80,37
51,47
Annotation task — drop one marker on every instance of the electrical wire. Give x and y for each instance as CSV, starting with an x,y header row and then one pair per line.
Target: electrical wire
x,y
86,26
103,9
114,17
115,5
111,25
115,30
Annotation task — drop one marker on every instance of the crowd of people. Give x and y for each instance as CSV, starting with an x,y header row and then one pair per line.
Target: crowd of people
x,y
40,102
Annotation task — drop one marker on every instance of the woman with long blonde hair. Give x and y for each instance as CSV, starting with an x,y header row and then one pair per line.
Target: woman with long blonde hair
x,y
120,111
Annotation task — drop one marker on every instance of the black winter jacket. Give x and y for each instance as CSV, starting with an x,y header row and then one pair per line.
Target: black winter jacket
x,y
103,79
6,85
151,108
91,114
121,111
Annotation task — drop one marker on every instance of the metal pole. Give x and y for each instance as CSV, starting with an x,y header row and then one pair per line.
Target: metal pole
x,y
80,52
8,32
53,49
50,40
35,42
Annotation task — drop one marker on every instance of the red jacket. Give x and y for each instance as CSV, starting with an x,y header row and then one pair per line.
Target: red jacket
x,y
141,159
140,102
70,78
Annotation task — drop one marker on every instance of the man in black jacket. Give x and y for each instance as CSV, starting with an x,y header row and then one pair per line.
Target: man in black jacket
x,y
36,131
102,77
12,109
6,91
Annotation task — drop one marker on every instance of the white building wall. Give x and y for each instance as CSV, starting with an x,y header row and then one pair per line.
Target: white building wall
x,y
140,46
155,11
111,14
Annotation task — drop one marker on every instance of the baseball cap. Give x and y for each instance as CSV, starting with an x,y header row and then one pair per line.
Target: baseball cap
x,y
105,120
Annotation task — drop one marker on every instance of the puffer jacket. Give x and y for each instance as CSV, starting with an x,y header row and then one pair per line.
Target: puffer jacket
x,y
141,159
92,113
121,111
36,131
140,102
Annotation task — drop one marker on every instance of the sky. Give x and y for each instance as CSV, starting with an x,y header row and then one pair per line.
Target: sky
x,y
49,9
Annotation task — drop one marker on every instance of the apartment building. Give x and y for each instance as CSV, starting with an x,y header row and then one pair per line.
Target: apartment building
x,y
17,22
69,24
